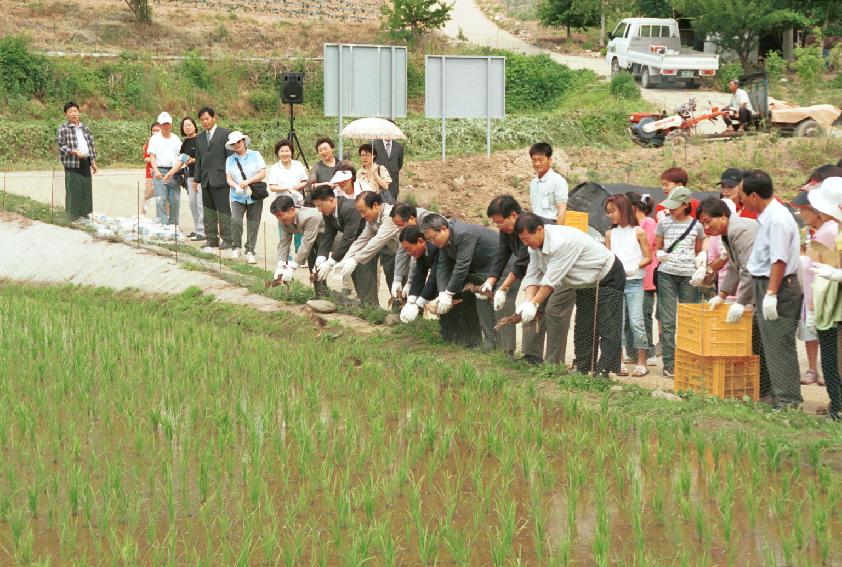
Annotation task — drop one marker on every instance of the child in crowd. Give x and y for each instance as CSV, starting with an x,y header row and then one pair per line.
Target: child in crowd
x,y
679,238
643,205
671,179
628,242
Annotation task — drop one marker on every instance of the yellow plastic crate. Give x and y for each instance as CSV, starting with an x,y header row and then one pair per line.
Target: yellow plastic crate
x,y
576,219
720,376
705,332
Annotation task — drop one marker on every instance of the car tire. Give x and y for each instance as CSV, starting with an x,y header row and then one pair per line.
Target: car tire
x,y
615,67
693,85
645,79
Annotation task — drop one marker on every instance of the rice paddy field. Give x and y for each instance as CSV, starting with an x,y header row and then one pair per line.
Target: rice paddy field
x,y
178,431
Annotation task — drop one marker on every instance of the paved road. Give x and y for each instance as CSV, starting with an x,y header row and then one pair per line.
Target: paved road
x,y
470,21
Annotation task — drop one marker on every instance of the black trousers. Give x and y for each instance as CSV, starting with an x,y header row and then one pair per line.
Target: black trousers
x,y
78,192
743,117
830,369
597,332
217,219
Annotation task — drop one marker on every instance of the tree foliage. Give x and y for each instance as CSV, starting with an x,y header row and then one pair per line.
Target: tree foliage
x,y
416,17
571,14
141,10
737,25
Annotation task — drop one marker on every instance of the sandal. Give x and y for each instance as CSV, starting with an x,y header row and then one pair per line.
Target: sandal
x,y
623,371
640,371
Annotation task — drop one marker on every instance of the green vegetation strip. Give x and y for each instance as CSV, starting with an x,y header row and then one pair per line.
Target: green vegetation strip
x,y
183,430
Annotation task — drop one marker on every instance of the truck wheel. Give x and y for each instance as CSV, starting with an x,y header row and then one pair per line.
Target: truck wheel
x,y
645,79
808,129
693,85
615,66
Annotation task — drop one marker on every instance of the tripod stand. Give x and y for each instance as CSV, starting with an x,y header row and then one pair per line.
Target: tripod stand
x,y
297,152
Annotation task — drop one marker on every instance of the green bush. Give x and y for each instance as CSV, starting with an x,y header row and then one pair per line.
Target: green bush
x,y
195,69
535,82
264,101
775,65
808,65
623,86
727,72
834,58
23,73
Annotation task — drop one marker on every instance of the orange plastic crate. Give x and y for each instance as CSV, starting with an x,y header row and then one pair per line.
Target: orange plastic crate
x,y
705,332
576,219
720,376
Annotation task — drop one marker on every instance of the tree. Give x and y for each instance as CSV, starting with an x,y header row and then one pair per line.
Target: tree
x,y
416,17
572,14
141,9
737,25
654,8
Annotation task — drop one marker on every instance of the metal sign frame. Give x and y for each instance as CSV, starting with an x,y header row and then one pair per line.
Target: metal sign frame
x,y
435,69
342,83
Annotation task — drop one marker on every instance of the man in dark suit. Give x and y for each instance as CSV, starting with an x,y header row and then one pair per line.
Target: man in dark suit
x,y
466,253
210,174
389,154
341,215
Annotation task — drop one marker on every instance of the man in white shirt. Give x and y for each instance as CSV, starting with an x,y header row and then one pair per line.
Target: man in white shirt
x,y
548,189
740,106
567,256
164,149
773,265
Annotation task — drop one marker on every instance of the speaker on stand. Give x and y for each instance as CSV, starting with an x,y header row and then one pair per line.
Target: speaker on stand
x,y
292,93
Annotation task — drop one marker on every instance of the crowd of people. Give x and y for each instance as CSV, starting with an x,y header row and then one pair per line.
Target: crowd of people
x,y
743,248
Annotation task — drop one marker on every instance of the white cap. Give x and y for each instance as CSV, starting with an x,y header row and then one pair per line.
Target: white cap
x,y
827,197
340,176
235,137
164,118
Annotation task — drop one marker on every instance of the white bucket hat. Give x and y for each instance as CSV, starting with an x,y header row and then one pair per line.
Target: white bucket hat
x,y
235,137
827,197
164,118
340,176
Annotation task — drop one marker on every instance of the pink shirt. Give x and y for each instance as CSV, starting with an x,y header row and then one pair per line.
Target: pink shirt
x,y
648,225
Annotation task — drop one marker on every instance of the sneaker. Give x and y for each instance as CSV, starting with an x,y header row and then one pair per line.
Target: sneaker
x,y
669,373
810,377
235,253
191,234
209,250
652,361
250,259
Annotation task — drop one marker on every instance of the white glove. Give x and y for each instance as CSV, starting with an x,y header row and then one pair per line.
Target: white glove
x,y
397,289
499,299
662,256
420,302
487,287
527,311
723,253
827,272
405,290
289,272
735,312
324,270
409,312
770,307
445,302
347,266
715,302
319,261
698,277
279,269
701,259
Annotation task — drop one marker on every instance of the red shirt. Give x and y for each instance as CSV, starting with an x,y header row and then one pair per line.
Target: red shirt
x,y
148,165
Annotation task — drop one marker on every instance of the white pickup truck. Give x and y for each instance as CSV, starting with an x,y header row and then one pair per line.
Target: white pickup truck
x,y
651,49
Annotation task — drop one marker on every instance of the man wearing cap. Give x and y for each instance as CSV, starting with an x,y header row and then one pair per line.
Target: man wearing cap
x,y
740,106
562,255
211,155
827,300
297,220
774,264
164,149
78,156
738,235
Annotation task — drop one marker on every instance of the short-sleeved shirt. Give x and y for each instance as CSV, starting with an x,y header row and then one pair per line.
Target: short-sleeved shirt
x,y
777,240
252,163
682,256
546,193
287,177
188,147
166,150
739,98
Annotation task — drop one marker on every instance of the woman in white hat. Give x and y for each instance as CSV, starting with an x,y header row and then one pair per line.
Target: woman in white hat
x,y
345,184
827,299
243,169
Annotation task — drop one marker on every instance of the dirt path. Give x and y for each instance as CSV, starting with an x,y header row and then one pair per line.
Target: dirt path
x,y
471,23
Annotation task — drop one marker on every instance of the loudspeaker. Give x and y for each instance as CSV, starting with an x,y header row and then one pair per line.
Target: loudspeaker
x,y
292,88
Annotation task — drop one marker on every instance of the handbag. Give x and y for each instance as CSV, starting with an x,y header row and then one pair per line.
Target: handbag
x,y
672,247
259,190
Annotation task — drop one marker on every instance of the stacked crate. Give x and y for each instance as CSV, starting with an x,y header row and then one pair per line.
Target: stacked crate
x,y
576,219
714,357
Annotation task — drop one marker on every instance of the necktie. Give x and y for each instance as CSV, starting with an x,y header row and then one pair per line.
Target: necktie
x,y
209,134
388,148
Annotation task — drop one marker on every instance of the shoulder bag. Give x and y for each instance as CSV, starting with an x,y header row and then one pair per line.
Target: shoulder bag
x,y
259,190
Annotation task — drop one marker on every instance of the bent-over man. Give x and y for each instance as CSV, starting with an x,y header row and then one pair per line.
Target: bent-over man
x,y
294,220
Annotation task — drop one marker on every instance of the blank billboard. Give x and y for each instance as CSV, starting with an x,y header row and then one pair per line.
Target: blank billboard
x,y
364,80
470,87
